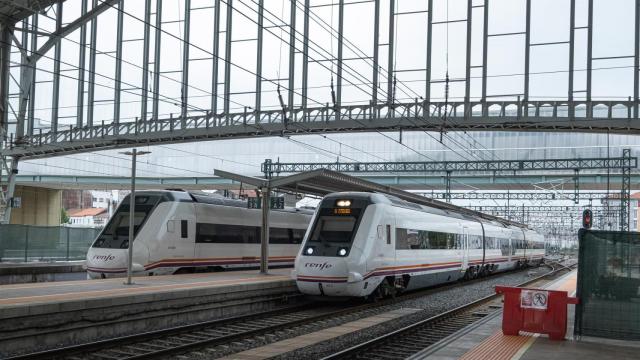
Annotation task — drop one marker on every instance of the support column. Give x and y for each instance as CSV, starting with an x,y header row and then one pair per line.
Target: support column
x,y
81,63
527,59
485,48
156,59
376,45
625,190
55,97
5,52
24,62
589,57
227,63
576,186
11,188
467,82
92,67
447,184
118,75
427,90
264,238
390,48
340,41
636,61
185,64
32,94
216,58
292,56
572,36
259,57
145,60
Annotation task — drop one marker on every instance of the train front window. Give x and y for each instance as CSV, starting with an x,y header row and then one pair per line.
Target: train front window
x,y
334,229
116,233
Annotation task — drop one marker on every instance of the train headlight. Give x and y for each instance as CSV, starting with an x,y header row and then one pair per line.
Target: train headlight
x,y
343,203
342,252
309,250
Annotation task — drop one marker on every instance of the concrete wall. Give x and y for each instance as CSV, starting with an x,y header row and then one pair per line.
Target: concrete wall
x,y
39,206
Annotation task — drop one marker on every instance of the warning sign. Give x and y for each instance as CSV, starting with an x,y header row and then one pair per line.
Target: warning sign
x,y
534,299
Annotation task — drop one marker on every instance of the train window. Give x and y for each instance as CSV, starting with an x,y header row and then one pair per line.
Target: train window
x,y
240,234
279,236
334,229
388,234
297,235
218,233
408,239
184,229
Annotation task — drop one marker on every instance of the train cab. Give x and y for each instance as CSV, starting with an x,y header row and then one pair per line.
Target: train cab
x,y
332,260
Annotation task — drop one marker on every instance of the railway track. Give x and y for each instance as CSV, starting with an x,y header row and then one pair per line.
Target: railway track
x,y
215,336
404,342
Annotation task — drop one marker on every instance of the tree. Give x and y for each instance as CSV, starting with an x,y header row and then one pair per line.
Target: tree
x,y
64,217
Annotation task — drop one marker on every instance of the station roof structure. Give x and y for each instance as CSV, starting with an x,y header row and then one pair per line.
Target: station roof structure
x,y
322,182
16,10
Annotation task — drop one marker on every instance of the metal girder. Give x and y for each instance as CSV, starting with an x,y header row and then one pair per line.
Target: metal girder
x,y
538,208
625,191
514,195
352,118
12,11
269,167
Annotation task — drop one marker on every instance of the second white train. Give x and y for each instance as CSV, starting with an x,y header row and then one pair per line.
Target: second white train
x,y
367,244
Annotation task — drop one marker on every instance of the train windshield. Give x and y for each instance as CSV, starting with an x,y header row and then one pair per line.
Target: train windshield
x,y
116,234
334,229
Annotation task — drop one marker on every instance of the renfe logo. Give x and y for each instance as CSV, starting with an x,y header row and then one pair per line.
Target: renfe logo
x,y
104,257
318,266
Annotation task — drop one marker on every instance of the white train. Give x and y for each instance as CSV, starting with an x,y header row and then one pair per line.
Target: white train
x,y
178,231
363,244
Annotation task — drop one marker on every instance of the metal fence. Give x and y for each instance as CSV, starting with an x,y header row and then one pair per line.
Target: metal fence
x,y
609,285
47,243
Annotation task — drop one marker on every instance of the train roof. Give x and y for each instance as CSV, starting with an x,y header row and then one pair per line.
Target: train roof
x,y
208,198
450,210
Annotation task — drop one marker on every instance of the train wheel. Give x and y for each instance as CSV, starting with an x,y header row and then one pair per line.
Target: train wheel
x,y
385,290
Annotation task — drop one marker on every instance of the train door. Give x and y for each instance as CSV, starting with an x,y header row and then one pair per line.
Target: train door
x,y
182,243
465,248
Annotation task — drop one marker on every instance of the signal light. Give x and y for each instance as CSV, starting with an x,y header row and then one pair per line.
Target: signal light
x,y
587,218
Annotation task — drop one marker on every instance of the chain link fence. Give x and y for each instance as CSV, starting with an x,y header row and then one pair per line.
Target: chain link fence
x,y
608,285
44,243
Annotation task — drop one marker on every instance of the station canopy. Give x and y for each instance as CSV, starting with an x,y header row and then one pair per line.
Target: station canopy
x,y
321,182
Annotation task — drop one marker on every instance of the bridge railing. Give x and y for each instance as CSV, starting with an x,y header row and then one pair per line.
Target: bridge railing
x,y
420,113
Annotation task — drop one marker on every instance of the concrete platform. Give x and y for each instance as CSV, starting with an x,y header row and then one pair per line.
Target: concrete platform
x,y
31,272
484,340
69,312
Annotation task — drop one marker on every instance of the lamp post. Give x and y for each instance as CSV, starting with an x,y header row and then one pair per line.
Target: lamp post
x,y
132,208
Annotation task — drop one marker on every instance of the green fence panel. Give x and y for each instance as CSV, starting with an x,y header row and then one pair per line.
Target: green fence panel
x,y
608,285
45,243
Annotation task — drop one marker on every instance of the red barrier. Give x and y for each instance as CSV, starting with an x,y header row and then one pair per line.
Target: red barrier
x,y
535,310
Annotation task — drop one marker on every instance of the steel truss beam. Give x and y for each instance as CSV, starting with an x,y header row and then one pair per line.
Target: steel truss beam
x,y
269,167
352,118
537,208
515,196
